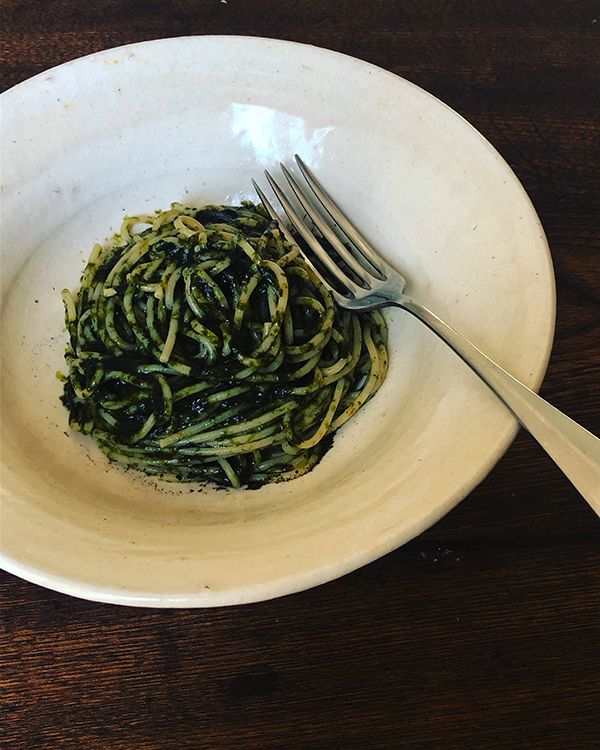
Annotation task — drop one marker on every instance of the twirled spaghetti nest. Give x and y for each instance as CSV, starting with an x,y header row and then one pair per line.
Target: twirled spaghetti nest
x,y
203,347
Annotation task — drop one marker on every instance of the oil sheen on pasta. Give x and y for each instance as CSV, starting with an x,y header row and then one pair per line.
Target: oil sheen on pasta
x,y
202,347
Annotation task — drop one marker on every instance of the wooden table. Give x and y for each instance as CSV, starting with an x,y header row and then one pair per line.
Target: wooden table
x,y
484,632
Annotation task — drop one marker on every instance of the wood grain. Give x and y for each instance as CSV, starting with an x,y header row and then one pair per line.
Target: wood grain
x,y
485,631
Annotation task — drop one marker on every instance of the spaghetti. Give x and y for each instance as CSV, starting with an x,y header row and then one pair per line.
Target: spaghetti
x,y
202,347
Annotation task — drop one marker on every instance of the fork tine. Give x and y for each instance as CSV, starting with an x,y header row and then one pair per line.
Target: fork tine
x,y
265,201
273,214
312,241
347,227
328,233
339,298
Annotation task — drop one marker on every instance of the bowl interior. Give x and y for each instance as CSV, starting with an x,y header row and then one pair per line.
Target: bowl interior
x,y
133,129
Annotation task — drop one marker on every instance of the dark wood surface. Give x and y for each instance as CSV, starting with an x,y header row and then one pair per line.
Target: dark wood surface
x,y
484,632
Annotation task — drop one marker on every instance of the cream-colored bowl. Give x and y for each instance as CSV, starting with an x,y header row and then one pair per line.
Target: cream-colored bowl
x,y
193,120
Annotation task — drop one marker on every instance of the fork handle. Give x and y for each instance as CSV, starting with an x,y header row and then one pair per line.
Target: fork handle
x,y
575,450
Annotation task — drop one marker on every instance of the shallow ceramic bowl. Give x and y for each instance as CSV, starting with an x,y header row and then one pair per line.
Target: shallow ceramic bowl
x,y
194,119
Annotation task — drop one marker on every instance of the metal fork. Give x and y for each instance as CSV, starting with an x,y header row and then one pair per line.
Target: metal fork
x,y
369,282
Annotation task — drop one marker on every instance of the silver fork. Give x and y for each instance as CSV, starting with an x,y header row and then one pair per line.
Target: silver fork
x,y
373,283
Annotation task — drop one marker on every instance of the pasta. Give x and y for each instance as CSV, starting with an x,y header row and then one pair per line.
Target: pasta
x,y
202,347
